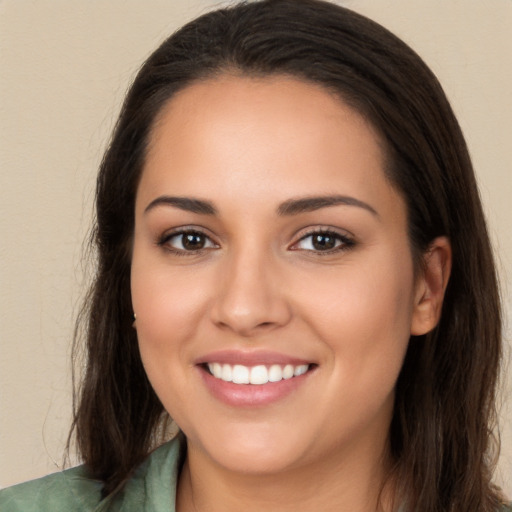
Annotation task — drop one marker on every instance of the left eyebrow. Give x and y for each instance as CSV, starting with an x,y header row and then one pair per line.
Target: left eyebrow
x,y
187,204
310,204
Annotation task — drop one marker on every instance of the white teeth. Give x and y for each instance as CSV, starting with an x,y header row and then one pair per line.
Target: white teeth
x,y
258,375
217,370
288,372
227,373
275,373
240,374
300,370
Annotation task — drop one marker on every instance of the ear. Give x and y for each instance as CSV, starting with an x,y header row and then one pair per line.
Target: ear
x,y
431,286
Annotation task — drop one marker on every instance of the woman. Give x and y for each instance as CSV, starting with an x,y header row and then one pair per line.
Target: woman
x,y
293,265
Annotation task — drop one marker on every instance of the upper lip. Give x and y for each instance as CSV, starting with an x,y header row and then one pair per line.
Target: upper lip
x,y
253,358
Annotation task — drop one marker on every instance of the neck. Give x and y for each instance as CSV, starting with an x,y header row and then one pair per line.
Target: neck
x,y
351,481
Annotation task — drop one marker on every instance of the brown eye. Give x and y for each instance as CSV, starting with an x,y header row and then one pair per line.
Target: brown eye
x,y
324,242
193,241
187,241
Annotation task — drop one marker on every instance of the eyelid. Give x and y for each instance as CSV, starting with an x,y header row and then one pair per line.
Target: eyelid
x,y
163,239
347,239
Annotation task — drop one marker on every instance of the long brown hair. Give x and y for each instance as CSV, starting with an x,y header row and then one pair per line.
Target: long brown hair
x,y
441,431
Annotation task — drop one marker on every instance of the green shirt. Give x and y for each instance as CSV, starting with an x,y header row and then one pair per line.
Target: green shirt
x,y
152,488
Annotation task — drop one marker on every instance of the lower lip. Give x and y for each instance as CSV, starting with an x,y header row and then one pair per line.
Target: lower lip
x,y
251,395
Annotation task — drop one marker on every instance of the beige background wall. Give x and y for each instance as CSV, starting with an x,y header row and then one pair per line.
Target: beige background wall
x,y
64,66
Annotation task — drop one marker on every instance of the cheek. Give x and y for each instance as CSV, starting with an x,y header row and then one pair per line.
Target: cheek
x,y
168,316
363,314
166,301
169,306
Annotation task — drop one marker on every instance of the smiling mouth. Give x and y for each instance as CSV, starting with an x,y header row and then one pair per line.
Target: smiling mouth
x,y
256,375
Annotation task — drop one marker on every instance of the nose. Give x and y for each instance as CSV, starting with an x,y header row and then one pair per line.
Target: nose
x,y
250,297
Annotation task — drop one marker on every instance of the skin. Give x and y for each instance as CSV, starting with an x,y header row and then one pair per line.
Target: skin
x,y
247,146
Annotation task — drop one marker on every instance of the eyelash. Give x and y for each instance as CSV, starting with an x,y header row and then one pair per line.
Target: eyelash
x,y
164,240
345,242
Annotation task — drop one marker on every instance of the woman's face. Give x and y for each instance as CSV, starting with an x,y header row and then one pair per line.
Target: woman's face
x,y
268,243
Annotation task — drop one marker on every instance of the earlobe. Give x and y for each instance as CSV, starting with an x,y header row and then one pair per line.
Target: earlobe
x,y
431,286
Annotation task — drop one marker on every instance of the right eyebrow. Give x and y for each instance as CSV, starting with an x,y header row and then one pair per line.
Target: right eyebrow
x,y
183,203
310,204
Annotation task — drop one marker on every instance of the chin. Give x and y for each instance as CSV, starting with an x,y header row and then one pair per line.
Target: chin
x,y
255,461
251,450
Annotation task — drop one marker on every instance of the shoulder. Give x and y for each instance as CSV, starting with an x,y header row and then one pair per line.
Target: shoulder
x,y
152,484
67,490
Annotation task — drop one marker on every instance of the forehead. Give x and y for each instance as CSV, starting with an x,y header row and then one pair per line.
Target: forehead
x,y
274,136
239,101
